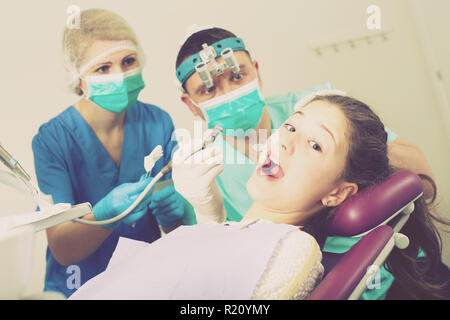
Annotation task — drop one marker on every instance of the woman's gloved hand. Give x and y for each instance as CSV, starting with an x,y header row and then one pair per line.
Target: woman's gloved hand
x,y
167,206
194,177
119,199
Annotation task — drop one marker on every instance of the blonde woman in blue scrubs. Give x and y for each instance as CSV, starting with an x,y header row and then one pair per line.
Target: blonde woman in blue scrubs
x,y
94,151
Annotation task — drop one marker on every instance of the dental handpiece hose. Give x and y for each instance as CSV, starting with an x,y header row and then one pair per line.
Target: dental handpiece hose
x,y
166,169
130,208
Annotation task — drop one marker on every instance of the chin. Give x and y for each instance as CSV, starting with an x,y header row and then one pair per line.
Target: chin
x,y
259,190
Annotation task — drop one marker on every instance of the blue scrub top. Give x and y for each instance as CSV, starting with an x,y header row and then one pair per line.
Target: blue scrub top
x,y
73,166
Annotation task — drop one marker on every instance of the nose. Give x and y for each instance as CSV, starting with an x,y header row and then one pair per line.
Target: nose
x,y
280,144
286,141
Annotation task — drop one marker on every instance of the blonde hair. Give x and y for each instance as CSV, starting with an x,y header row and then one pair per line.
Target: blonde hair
x,y
95,25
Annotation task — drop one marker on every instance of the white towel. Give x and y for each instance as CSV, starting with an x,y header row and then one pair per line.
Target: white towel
x,y
211,261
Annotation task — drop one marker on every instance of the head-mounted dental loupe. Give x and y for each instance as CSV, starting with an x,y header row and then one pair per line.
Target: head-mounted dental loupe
x,y
205,64
208,55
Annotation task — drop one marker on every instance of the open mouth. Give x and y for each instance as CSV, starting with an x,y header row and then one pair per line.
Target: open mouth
x,y
271,168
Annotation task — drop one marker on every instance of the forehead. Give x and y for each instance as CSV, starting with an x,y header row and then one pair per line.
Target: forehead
x,y
328,114
194,80
101,46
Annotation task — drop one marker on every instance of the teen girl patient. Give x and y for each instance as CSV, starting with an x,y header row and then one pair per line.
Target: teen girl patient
x,y
332,147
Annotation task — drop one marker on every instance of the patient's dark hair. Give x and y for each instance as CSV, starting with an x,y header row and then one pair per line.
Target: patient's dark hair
x,y
194,43
368,164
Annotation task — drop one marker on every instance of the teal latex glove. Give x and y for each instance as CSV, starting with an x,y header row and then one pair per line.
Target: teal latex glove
x,y
119,199
167,206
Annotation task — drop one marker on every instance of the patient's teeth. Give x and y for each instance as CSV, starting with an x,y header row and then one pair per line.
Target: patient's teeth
x,y
267,162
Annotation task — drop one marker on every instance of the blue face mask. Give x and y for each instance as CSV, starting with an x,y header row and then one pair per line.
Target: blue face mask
x,y
236,112
115,92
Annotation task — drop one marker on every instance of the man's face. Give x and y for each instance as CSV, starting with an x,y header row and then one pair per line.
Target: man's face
x,y
228,81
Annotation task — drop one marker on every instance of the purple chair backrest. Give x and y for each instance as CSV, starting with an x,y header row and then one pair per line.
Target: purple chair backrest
x,y
371,207
346,275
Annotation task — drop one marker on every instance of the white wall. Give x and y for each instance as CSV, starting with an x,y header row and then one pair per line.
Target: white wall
x,y
432,25
391,76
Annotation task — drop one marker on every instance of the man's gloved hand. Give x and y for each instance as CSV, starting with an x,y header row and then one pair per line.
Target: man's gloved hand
x,y
119,199
167,206
194,178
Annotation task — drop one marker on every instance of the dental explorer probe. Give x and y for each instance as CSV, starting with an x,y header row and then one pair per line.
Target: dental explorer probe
x,y
166,169
209,139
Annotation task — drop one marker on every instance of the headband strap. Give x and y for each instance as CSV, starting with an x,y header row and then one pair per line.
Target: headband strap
x,y
187,68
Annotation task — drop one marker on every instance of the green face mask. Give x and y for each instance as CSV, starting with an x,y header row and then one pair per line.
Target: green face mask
x,y
115,92
236,112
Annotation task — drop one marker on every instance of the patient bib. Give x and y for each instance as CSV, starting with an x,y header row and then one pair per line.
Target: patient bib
x,y
256,259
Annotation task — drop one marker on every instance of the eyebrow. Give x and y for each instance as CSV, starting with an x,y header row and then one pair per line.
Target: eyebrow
x,y
320,124
129,55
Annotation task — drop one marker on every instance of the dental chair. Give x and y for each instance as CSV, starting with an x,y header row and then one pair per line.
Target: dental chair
x,y
376,214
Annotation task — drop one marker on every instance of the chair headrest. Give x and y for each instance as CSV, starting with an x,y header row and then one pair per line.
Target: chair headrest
x,y
371,207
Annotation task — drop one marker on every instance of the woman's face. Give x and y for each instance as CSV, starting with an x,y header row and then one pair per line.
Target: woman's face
x,y
302,168
116,62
